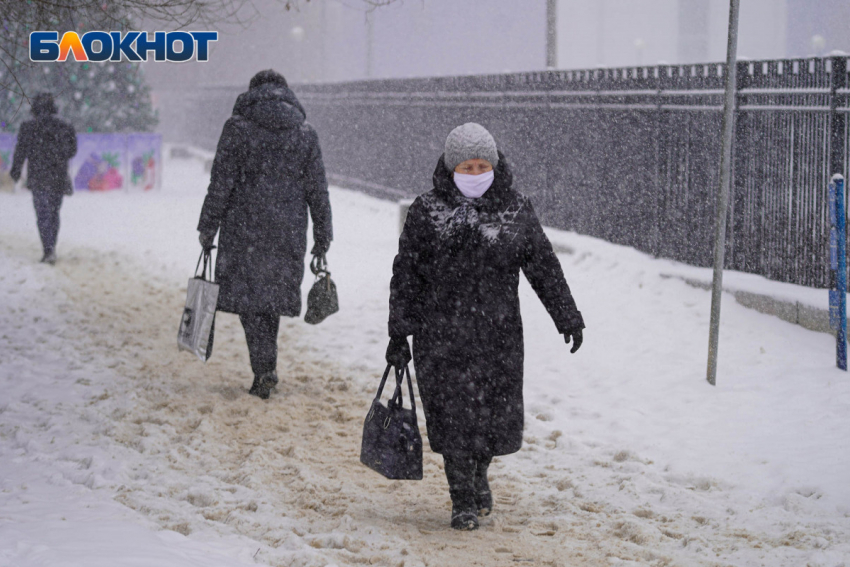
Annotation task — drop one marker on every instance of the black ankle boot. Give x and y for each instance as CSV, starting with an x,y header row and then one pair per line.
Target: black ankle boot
x,y
465,520
263,385
464,511
255,387
483,496
460,473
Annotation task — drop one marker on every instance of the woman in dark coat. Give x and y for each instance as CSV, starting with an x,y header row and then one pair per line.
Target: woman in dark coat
x,y
267,173
48,143
454,288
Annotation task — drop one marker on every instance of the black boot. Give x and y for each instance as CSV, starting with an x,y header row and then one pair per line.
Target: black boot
x,y
483,496
263,385
460,472
464,517
464,521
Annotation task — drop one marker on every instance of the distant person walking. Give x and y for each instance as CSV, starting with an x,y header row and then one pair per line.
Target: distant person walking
x,y
454,288
267,174
48,143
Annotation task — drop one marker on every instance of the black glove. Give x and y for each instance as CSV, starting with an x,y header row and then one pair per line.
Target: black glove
x,y
398,352
206,240
577,339
320,248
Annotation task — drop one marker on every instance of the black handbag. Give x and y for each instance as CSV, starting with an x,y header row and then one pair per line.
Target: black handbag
x,y
391,442
322,301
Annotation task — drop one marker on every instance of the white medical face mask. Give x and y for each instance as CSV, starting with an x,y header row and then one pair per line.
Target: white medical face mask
x,y
473,186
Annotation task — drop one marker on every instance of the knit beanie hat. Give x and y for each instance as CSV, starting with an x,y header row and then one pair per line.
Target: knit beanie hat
x,y
470,141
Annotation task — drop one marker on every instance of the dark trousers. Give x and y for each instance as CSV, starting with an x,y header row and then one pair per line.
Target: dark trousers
x,y
466,475
47,205
261,333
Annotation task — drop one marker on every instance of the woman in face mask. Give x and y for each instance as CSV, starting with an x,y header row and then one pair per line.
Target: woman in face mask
x,y
454,289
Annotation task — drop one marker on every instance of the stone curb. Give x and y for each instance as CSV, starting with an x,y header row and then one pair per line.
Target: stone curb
x,y
795,312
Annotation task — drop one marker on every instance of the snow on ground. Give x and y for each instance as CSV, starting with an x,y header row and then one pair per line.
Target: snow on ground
x,y
115,449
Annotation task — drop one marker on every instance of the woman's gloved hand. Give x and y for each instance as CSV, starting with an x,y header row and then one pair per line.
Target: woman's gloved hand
x,y
320,248
576,337
398,352
206,240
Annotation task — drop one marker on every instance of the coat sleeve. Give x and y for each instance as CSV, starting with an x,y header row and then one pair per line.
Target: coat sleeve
x,y
543,271
317,192
408,283
22,151
226,173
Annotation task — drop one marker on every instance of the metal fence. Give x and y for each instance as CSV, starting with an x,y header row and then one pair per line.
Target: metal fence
x,y
630,155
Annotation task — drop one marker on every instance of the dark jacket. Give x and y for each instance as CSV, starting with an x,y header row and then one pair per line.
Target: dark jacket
x,y
266,174
454,288
48,143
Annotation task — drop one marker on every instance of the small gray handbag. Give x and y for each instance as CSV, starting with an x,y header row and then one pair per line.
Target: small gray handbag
x,y
322,301
197,327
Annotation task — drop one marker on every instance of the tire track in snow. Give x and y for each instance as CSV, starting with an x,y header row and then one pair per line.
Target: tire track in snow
x,y
285,472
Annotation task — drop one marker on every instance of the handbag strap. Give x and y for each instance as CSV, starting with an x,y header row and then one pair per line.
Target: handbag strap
x,y
383,381
319,265
398,399
206,256
410,389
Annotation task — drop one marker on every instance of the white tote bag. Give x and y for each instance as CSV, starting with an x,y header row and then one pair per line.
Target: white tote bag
x,y
197,327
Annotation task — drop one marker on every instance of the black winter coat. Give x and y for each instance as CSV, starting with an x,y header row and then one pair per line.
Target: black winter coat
x,y
267,173
48,142
454,288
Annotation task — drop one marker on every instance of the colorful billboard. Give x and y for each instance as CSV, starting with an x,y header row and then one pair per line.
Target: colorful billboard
x,y
144,156
100,163
7,150
104,162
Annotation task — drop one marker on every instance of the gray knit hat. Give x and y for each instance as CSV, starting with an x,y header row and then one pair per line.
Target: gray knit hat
x,y
470,141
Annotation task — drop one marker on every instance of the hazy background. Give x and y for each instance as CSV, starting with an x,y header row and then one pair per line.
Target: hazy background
x,y
340,40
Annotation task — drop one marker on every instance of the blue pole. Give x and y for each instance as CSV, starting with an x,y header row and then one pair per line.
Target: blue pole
x,y
838,262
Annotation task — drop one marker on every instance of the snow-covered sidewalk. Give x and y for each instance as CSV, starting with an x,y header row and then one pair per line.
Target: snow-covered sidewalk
x,y
629,455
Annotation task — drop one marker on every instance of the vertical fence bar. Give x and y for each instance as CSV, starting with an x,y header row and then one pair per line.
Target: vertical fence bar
x,y
837,120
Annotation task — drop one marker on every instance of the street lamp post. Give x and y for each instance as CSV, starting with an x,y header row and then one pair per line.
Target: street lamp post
x,y
640,45
370,40
298,34
727,128
551,34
